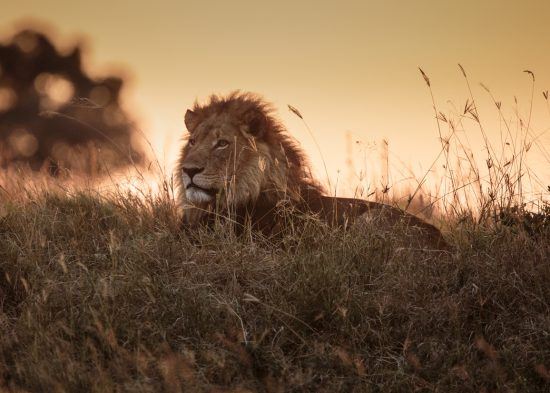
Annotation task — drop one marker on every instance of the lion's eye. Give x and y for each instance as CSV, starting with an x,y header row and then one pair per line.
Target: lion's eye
x,y
192,142
221,143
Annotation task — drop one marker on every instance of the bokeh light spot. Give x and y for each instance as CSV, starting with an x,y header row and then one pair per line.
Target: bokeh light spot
x,y
26,41
8,99
56,88
23,142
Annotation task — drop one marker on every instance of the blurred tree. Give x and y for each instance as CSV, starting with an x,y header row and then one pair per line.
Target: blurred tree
x,y
54,117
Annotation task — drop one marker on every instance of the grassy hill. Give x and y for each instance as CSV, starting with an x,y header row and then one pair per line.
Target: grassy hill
x,y
106,294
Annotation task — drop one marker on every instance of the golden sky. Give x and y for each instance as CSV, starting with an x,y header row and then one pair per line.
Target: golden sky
x,y
349,66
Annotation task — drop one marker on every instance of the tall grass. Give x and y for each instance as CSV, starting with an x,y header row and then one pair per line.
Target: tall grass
x,y
101,291
504,180
462,180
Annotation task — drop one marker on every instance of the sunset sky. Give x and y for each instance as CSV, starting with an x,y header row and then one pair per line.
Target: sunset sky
x,y
350,67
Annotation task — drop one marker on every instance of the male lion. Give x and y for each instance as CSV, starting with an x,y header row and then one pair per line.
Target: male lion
x,y
240,163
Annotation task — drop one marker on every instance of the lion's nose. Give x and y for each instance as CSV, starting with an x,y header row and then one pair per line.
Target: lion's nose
x,y
192,171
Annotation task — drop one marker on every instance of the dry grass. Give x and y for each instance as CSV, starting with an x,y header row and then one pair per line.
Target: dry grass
x,y
104,293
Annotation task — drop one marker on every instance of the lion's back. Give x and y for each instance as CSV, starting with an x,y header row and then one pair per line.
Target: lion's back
x,y
380,217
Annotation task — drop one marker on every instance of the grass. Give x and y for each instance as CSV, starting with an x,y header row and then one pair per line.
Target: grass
x,y
102,291
104,294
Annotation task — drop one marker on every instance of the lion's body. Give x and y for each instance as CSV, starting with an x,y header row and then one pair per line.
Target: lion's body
x,y
239,161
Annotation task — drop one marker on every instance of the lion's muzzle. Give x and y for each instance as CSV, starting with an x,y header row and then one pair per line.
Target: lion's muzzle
x,y
196,189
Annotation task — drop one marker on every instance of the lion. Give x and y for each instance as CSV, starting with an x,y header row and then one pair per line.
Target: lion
x,y
240,162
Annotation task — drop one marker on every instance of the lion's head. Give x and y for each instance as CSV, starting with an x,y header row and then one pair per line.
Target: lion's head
x,y
237,153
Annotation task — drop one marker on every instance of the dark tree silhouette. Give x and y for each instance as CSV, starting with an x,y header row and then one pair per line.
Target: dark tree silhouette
x,y
54,117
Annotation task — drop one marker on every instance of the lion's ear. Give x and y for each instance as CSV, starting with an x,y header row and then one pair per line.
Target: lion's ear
x,y
191,120
254,123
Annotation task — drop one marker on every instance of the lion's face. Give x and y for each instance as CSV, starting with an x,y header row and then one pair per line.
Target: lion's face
x,y
221,158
